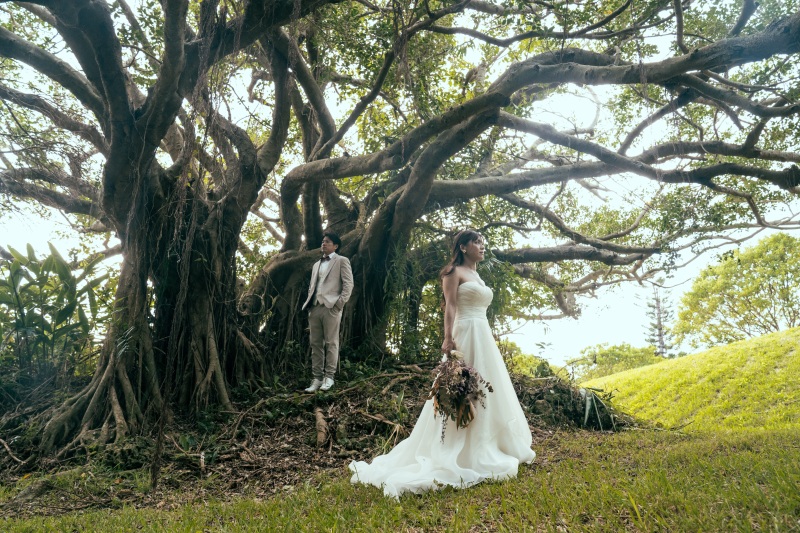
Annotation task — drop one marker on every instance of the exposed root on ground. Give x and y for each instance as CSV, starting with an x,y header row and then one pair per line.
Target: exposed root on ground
x,y
284,440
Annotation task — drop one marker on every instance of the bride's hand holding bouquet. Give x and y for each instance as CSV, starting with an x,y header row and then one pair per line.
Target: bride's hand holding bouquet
x,y
448,345
457,390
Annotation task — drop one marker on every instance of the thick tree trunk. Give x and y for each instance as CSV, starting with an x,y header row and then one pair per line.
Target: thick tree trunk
x,y
188,357
125,384
366,327
272,309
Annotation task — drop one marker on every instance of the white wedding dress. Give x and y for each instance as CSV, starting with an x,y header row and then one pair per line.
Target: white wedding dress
x,y
491,447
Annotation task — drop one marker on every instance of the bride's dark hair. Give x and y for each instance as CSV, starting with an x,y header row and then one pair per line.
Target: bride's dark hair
x,y
462,238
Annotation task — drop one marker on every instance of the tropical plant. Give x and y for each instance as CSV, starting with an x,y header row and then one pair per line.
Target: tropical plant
x,y
519,362
50,313
746,294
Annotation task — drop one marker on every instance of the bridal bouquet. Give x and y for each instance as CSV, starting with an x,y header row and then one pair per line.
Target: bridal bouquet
x,y
457,389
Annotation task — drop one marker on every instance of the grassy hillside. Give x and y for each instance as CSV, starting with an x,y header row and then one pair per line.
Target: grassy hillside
x,y
748,384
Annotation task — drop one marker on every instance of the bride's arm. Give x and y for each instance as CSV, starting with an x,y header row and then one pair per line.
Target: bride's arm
x,y
450,290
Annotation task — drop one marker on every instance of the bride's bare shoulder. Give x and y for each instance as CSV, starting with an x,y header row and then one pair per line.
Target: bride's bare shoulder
x,y
458,276
461,274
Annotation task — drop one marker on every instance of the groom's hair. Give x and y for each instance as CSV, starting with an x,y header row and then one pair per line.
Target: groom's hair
x,y
334,237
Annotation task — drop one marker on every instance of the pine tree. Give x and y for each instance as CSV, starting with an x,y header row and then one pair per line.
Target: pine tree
x,y
660,315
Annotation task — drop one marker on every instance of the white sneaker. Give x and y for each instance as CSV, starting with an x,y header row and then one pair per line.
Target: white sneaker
x,y
315,386
327,384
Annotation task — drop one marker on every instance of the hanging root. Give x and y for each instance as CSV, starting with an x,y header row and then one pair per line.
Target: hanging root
x,y
213,371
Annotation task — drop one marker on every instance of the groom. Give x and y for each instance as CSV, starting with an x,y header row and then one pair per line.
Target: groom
x,y
330,288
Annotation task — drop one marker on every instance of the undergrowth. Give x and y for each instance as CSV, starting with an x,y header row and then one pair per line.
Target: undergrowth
x,y
279,437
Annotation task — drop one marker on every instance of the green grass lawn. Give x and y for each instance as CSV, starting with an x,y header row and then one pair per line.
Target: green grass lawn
x,y
634,481
740,473
748,384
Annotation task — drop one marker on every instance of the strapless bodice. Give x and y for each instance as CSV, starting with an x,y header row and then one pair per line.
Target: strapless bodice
x,y
473,300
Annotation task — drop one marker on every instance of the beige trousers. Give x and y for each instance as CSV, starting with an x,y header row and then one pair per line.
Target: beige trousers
x,y
323,329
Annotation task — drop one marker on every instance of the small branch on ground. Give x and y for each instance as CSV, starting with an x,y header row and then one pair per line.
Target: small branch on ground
x,y
17,459
322,427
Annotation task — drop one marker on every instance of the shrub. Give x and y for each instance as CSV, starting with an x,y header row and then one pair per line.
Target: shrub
x,y
49,311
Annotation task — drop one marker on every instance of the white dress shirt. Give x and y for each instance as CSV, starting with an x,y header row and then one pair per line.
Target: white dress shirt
x,y
324,266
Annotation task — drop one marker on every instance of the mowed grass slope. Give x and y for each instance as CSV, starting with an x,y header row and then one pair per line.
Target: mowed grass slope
x,y
747,384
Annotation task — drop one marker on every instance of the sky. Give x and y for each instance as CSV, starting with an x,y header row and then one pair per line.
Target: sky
x,y
615,316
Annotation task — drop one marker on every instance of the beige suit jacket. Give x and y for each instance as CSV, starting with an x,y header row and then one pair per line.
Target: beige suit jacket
x,y
337,286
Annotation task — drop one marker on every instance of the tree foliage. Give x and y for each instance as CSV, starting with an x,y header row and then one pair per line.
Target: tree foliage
x,y
603,360
659,331
216,136
748,293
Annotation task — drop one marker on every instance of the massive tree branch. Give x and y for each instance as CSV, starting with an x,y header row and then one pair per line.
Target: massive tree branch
x,y
258,18
446,193
684,148
549,133
284,45
13,47
59,118
416,191
788,178
677,4
19,182
88,29
236,179
159,110
582,67
493,9
729,97
270,152
748,8
574,235
393,157
534,34
568,252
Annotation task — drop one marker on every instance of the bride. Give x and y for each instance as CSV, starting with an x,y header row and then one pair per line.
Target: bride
x,y
498,439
